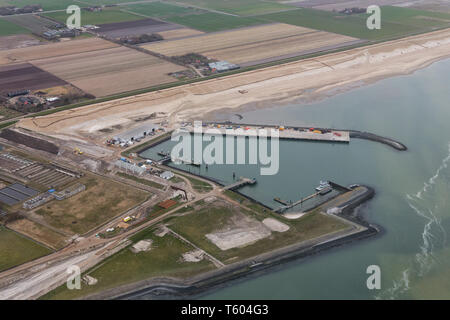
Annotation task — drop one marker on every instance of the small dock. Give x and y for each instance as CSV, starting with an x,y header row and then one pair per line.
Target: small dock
x,y
239,184
191,163
285,203
165,160
293,204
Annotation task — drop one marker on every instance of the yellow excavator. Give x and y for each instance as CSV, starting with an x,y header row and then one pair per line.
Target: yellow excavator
x,y
77,151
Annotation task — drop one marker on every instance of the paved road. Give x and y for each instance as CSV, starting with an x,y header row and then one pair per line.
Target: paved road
x,y
32,286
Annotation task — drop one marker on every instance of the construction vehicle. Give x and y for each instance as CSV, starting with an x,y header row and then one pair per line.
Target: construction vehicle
x,y
77,151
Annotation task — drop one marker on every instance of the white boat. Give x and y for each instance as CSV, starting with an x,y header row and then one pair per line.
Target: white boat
x,y
322,185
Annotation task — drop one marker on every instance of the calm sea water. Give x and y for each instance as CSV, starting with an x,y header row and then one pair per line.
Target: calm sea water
x,y
413,188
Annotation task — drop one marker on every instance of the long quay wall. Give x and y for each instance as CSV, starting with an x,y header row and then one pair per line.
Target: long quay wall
x,y
291,133
304,133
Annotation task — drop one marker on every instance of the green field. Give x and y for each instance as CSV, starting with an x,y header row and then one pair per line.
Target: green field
x,y
195,225
163,260
8,28
140,180
46,4
102,200
210,22
161,10
395,22
415,18
102,17
16,249
105,2
198,185
239,7
350,25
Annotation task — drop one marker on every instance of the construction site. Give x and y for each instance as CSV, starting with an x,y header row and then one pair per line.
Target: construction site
x,y
79,110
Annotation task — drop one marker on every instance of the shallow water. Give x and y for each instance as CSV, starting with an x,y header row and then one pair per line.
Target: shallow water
x,y
413,188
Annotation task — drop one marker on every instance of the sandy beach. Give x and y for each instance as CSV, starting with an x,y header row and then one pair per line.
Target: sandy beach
x,y
277,85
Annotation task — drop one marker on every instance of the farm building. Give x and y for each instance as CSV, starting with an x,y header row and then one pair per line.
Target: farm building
x,y
136,133
222,66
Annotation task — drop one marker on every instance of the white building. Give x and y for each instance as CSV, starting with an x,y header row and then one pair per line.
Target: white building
x,y
166,175
136,133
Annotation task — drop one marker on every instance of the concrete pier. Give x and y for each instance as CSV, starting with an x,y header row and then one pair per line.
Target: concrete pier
x,y
325,135
242,182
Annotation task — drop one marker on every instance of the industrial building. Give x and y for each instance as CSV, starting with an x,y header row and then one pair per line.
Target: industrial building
x,y
16,193
136,133
130,167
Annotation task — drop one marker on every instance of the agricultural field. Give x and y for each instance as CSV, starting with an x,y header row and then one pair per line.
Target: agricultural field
x,y
414,18
46,4
8,28
330,5
210,22
102,200
350,25
160,10
54,50
25,76
254,45
138,27
16,249
107,2
239,7
164,259
179,33
18,41
96,18
396,22
231,233
110,71
32,22
43,234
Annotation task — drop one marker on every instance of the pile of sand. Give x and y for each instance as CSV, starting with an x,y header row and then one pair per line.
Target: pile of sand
x,y
238,237
143,245
275,225
210,199
161,232
193,256
90,281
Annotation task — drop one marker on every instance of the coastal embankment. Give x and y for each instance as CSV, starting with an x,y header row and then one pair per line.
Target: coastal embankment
x,y
319,134
166,288
275,85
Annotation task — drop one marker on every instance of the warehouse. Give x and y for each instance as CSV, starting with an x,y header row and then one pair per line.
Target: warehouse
x,y
16,193
136,133
222,66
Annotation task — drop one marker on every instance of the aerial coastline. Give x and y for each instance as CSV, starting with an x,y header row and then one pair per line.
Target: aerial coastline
x,y
278,84
252,149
